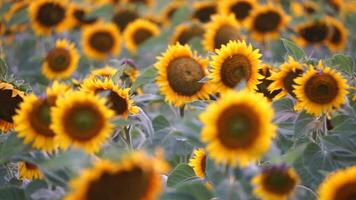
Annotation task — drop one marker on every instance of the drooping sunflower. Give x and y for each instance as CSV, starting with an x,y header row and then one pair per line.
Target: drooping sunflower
x,y
179,73
233,64
118,99
61,61
240,8
11,97
266,71
33,119
204,10
266,22
313,32
124,16
221,30
101,40
183,33
79,13
168,11
238,128
338,34
276,182
49,15
198,162
340,185
81,119
320,90
284,79
104,72
144,2
136,176
304,8
28,171
137,32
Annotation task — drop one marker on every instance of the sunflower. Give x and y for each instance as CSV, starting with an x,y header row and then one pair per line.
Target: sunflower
x,y
198,162
79,13
266,22
104,72
203,10
220,31
284,79
266,71
137,32
234,63
136,176
304,8
338,34
15,8
101,40
33,118
61,61
183,33
240,8
169,10
29,171
144,2
238,128
314,32
81,119
320,90
340,185
118,99
49,15
11,97
179,73
276,182
123,17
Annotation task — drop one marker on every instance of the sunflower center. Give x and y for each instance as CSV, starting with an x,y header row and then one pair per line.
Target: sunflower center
x,y
30,166
183,76
11,104
203,163
224,35
346,192
102,41
204,14
50,14
80,15
234,69
190,33
237,127
118,104
315,33
58,59
267,22
336,35
132,184
123,17
278,182
321,88
241,10
262,87
83,122
141,35
288,81
309,9
40,117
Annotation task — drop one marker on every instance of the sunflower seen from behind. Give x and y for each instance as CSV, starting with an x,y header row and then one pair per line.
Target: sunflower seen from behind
x,y
240,8
276,182
101,40
136,176
61,61
238,129
139,31
320,90
221,30
198,162
179,73
28,171
81,120
235,64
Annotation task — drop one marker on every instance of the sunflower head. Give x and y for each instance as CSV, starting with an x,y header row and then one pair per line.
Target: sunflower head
x,y
304,8
238,128
338,34
275,182
135,176
203,10
79,13
104,72
82,120
240,8
179,73
320,90
234,64
144,2
221,30
61,61
185,32
168,12
266,71
137,32
101,40
198,162
314,32
28,171
123,17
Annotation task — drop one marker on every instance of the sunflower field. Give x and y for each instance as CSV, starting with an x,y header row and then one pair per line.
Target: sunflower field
x,y
177,99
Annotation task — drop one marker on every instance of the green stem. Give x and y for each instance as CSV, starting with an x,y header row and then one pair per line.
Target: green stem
x,y
309,190
181,111
128,137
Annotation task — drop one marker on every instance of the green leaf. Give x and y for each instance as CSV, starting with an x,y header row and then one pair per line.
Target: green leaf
x,y
196,44
304,125
11,147
3,69
180,16
19,17
213,173
180,174
12,193
229,190
197,189
293,50
119,122
160,122
148,75
102,12
342,62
